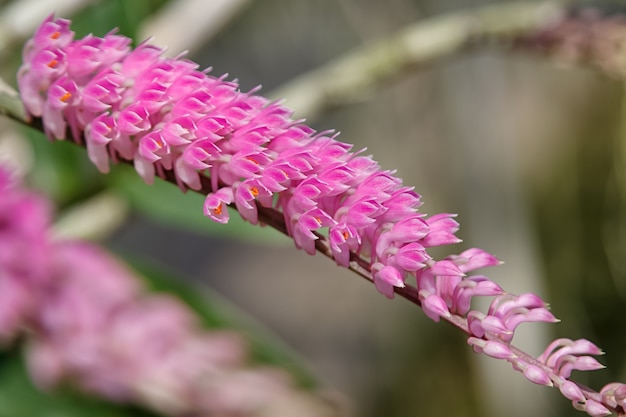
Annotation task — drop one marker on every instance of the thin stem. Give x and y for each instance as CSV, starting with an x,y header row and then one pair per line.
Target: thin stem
x,y
339,81
347,78
201,19
94,219
10,103
358,265
354,75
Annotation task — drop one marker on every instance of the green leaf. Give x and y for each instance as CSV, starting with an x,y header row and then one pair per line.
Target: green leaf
x,y
217,312
19,398
166,203
63,170
100,17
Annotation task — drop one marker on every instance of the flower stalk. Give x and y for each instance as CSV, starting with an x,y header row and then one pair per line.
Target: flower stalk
x,y
200,132
88,321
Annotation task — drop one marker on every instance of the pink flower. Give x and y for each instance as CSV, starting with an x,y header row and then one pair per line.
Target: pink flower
x,y
565,355
246,194
215,205
343,239
24,255
91,324
506,312
492,348
305,224
165,114
386,278
172,120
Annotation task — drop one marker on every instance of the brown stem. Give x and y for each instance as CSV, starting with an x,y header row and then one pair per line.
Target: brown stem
x,y
520,24
275,219
359,265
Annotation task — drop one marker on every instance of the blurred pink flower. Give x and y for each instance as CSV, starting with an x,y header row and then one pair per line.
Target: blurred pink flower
x,y
24,254
91,323
98,329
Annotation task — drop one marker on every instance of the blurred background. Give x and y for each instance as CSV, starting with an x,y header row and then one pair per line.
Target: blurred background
x,y
529,153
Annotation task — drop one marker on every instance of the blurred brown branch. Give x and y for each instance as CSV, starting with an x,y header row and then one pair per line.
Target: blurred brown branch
x,y
356,74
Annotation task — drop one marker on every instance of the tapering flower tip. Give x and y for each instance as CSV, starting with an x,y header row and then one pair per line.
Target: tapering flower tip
x,y
305,224
596,409
102,92
571,391
513,310
442,230
508,303
386,278
474,323
305,196
411,257
568,363
247,162
552,347
446,268
381,183
523,315
494,326
614,394
362,214
491,348
481,285
433,305
472,286
564,346
339,178
412,228
374,184
533,373
473,259
52,32
400,204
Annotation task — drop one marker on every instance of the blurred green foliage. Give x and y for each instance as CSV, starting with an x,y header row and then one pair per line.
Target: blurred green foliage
x,y
102,16
216,312
19,398
165,203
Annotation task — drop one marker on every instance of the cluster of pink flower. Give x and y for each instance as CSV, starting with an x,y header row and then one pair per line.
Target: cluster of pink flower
x,y
90,322
24,220
167,116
